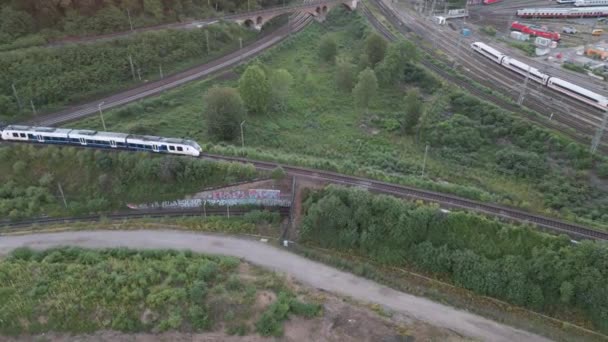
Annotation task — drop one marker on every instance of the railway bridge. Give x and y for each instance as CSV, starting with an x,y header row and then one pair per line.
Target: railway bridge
x,y
318,9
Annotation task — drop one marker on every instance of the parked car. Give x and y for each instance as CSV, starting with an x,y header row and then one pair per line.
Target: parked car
x,y
569,29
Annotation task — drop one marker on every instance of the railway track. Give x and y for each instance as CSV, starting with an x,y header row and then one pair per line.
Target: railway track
x,y
176,80
444,200
448,201
211,211
584,125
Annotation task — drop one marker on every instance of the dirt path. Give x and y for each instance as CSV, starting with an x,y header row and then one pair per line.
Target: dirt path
x,y
307,271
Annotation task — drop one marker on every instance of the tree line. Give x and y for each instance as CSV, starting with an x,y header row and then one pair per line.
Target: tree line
x,y
516,264
52,18
51,77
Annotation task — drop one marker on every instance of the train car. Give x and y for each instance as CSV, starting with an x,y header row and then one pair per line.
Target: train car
x,y
535,31
524,69
585,3
163,145
574,12
488,51
563,2
110,140
489,2
578,93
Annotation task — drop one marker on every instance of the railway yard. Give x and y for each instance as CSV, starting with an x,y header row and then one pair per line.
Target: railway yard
x,y
528,59
572,113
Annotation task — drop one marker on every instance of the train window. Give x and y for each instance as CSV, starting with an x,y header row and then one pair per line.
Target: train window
x,y
16,135
171,148
179,148
22,135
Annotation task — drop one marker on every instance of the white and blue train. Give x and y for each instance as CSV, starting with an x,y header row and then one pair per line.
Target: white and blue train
x,y
119,141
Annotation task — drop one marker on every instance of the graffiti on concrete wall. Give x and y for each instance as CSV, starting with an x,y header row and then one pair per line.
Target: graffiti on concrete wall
x,y
223,198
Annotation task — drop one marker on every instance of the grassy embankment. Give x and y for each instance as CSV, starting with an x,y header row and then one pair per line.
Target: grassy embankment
x,y
476,150
79,291
97,181
54,77
379,236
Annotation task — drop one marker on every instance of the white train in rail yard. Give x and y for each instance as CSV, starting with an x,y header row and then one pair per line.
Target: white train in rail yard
x,y
557,84
571,12
584,3
109,140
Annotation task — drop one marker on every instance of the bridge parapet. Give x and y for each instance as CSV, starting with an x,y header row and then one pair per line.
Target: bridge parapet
x,y
318,9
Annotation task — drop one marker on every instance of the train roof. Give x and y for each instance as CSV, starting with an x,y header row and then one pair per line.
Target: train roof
x,y
166,140
578,89
37,129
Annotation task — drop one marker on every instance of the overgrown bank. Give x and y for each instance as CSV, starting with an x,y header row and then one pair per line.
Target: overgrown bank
x,y
53,77
33,179
526,268
77,290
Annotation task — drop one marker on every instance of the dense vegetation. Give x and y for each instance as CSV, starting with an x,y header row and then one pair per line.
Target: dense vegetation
x,y
77,290
94,181
475,149
32,22
51,77
519,265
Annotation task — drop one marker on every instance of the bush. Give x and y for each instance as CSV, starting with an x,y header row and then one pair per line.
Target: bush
x,y
328,49
489,30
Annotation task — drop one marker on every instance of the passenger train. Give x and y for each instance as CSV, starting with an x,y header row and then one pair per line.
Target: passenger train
x,y
537,76
109,140
574,12
585,3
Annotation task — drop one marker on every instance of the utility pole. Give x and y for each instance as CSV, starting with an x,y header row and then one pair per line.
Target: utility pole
x,y
160,68
17,97
65,203
242,136
241,43
129,15
132,67
522,93
207,38
101,115
139,73
33,107
432,9
600,132
426,151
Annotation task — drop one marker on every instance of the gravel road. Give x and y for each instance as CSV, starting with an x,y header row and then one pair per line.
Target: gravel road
x,y
308,272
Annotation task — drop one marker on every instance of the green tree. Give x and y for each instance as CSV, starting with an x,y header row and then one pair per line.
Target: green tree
x,y
154,8
392,68
413,110
280,84
375,48
366,88
15,23
224,111
345,76
255,89
328,49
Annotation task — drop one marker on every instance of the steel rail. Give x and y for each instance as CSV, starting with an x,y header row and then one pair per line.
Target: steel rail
x,y
211,211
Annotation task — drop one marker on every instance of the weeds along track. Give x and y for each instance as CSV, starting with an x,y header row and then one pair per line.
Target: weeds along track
x,y
572,118
9,226
155,88
447,201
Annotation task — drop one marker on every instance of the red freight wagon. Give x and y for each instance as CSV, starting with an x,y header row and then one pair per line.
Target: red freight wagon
x,y
533,31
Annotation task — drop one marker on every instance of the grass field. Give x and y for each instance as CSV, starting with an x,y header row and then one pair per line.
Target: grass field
x,y
322,128
77,290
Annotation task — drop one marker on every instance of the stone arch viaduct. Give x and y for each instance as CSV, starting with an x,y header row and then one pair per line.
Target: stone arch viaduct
x,y
318,9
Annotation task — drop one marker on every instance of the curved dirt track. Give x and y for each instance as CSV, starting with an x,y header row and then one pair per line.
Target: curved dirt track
x,y
308,272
